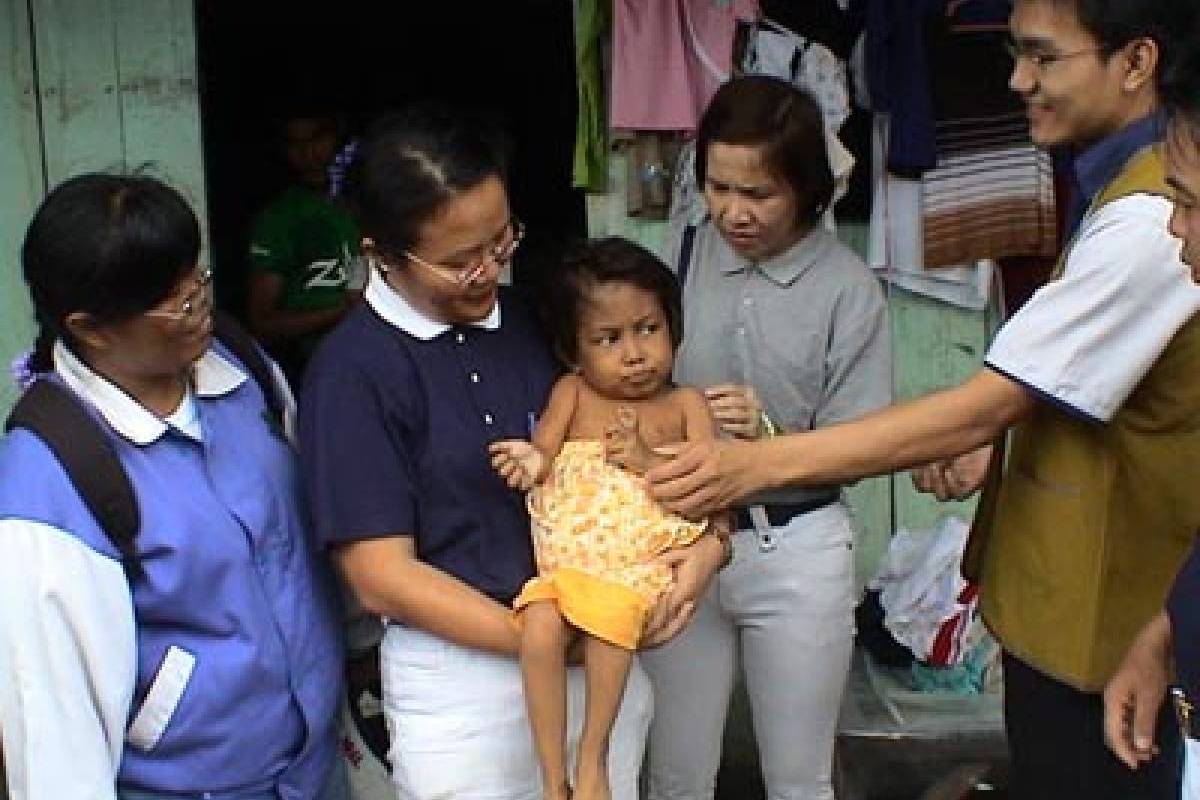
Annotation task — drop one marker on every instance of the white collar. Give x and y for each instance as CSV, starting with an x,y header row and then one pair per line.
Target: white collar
x,y
212,375
398,312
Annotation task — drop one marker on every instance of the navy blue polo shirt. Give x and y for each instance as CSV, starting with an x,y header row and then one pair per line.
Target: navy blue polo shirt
x,y
1183,606
1094,168
395,419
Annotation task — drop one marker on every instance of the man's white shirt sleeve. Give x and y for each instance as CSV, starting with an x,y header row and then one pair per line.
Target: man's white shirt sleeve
x,y
68,664
1087,339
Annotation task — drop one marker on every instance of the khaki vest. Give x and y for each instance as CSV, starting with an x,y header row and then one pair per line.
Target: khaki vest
x,y
1077,541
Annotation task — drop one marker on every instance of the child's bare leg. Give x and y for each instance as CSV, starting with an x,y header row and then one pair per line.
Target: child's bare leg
x,y
545,636
605,668
624,445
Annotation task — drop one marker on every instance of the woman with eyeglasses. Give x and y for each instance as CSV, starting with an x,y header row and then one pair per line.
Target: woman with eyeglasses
x,y
400,404
203,659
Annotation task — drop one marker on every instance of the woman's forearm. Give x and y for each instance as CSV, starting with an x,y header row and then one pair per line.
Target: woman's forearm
x,y
389,580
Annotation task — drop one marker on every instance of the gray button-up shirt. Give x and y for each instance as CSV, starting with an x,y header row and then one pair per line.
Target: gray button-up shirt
x,y
807,329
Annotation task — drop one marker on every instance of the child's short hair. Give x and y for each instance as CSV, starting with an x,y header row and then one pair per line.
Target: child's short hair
x,y
608,260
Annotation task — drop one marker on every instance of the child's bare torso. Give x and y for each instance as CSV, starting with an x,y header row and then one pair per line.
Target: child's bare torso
x,y
660,419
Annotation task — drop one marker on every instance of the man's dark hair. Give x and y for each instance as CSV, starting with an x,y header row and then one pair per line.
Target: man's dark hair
x,y
1116,23
1179,84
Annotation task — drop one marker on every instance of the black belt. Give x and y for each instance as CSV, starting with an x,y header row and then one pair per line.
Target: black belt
x,y
781,513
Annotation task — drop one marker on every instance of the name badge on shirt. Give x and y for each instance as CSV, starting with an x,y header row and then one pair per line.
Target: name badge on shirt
x,y
161,701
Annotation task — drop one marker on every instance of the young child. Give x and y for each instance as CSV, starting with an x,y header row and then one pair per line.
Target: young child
x,y
617,322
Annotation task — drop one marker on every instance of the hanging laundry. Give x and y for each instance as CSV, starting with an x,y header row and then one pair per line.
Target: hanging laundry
x,y
809,65
824,21
687,200
895,238
898,77
991,194
805,63
669,57
590,170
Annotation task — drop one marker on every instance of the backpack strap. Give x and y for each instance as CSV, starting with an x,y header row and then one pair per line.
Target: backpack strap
x,y
55,415
685,254
231,334
60,419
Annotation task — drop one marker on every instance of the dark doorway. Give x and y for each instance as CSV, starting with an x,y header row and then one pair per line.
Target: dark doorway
x,y
259,61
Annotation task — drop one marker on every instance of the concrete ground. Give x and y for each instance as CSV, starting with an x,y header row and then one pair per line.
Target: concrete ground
x,y
877,759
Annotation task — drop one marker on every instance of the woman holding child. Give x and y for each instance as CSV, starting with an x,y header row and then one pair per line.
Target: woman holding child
x,y
402,402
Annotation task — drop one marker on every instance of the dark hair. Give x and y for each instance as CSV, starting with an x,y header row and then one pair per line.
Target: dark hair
x,y
112,246
786,121
1179,84
586,265
1116,23
411,163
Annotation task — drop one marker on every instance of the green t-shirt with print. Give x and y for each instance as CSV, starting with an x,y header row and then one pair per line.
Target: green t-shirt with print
x,y
309,241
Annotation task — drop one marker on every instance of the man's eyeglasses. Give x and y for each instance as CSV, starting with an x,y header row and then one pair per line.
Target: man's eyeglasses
x,y
195,306
499,254
1043,61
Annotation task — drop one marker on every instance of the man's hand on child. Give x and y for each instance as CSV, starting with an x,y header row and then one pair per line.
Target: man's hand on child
x,y
517,462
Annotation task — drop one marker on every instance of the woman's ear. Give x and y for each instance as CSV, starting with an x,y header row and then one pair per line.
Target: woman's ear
x,y
85,330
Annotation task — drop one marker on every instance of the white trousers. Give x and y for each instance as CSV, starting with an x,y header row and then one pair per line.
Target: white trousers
x,y
784,608
1191,768
459,730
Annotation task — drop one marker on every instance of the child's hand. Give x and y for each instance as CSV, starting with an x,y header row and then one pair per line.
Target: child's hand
x,y
624,445
517,462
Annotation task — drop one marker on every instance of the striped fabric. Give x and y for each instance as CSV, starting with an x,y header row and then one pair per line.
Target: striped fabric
x,y
991,194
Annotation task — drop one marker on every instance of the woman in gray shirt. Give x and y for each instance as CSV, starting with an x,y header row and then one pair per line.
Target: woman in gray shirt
x,y
785,329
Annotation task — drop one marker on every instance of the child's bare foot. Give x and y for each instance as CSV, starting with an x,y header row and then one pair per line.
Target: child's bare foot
x,y
591,780
623,442
559,792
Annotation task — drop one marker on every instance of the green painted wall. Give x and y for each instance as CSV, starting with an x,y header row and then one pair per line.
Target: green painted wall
x,y
88,85
22,184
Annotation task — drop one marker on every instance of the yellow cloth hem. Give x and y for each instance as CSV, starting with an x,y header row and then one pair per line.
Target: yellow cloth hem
x,y
603,608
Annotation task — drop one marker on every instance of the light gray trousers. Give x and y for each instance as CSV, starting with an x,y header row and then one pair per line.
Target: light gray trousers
x,y
784,610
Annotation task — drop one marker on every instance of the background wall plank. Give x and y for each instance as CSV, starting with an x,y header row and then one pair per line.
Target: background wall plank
x,y
88,85
936,346
158,98
23,183
78,79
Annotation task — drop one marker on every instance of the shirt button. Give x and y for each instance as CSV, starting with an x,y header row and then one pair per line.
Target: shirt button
x,y
474,377
460,337
487,419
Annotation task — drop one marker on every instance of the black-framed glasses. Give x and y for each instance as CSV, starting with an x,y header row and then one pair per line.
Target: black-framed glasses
x,y
193,307
1040,60
499,254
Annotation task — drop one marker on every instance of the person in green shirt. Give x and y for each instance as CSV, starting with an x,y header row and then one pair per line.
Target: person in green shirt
x,y
303,249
